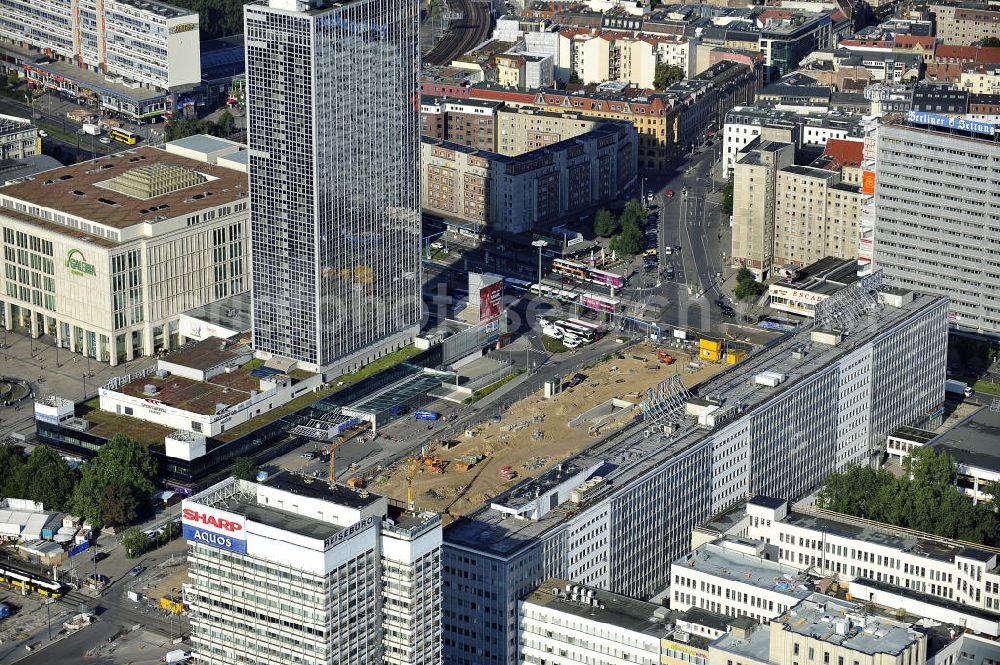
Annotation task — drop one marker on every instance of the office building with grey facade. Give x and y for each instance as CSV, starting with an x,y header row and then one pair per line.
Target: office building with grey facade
x,y
937,226
333,135
297,571
775,424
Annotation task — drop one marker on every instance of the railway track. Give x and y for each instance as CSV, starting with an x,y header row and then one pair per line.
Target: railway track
x,y
464,34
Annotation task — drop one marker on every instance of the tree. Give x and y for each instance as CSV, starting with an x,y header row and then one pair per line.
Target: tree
x,y
991,42
575,79
605,224
135,542
664,75
925,500
121,505
727,196
12,79
11,460
244,468
45,477
226,124
746,285
123,461
217,18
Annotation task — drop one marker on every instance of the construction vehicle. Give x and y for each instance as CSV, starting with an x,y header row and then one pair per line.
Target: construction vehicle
x,y
467,462
413,465
665,357
357,483
507,473
434,464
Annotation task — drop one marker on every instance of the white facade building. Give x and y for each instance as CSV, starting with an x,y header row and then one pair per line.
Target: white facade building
x,y
850,549
733,577
148,42
104,256
674,471
298,572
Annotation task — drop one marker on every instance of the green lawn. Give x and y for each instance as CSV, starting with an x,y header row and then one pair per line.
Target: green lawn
x,y
553,345
987,387
493,387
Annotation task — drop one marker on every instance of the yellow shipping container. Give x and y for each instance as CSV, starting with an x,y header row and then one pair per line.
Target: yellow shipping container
x,y
709,354
170,605
710,344
734,357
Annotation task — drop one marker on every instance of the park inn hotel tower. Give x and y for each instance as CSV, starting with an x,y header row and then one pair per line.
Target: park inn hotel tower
x,y
334,175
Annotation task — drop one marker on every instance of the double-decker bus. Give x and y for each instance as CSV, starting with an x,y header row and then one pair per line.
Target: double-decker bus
x,y
599,302
125,136
570,269
606,278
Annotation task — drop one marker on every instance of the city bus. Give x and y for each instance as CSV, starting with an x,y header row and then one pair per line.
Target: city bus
x,y
606,278
570,269
572,330
516,284
125,136
598,330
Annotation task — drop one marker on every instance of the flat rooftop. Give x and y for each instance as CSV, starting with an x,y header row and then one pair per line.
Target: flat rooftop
x,y
756,645
199,397
974,441
828,275
610,608
817,618
338,494
738,567
207,353
628,455
914,434
99,82
232,313
75,190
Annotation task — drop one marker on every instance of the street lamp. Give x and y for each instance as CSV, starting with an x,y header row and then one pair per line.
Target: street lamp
x,y
539,244
48,616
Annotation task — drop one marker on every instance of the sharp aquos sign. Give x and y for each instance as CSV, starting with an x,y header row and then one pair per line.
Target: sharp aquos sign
x,y
211,526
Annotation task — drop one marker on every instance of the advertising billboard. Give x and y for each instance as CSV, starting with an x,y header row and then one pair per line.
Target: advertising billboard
x,y
868,182
491,301
211,526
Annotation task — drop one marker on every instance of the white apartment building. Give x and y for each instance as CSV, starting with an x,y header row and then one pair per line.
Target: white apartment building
x,y
565,623
104,256
18,138
296,571
745,123
847,548
732,577
598,56
147,42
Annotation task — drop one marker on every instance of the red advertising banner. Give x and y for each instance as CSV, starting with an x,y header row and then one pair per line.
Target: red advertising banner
x,y
491,301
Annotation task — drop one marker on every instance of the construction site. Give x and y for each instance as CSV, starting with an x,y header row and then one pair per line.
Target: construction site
x,y
455,476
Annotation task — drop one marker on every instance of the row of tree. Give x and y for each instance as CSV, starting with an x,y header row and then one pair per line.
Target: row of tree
x,y
216,18
625,231
113,489
924,499
180,128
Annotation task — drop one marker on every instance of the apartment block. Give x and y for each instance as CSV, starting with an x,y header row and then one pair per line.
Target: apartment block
x,y
615,516
470,122
815,215
299,571
135,43
936,226
18,138
965,22
514,193
521,130
755,201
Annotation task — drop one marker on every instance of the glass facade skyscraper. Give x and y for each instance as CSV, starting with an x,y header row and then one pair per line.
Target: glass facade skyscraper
x,y
333,134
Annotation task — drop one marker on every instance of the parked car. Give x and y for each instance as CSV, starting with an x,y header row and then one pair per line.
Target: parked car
x,y
104,139
99,556
138,570
670,193
309,455
437,245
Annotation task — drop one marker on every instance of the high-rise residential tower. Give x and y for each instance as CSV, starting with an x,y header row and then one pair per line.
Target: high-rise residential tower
x,y
333,133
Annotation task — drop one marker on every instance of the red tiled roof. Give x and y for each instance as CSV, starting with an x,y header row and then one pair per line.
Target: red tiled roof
x,y
915,40
843,152
948,53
